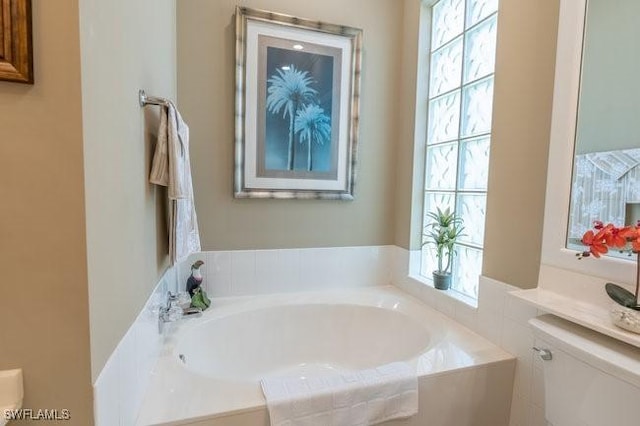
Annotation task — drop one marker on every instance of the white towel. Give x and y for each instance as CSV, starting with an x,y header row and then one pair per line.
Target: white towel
x,y
359,398
172,168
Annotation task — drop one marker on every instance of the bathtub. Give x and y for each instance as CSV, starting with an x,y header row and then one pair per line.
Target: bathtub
x,y
210,367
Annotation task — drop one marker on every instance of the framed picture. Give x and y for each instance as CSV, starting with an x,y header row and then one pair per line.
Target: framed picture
x,y
297,102
16,53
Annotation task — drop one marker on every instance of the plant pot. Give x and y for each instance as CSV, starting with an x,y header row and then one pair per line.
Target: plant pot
x,y
441,281
628,319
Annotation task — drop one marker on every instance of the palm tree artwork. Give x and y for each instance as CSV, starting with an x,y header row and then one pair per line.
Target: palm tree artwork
x,y
287,91
314,126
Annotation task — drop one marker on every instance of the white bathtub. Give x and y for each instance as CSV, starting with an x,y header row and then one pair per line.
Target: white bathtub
x,y
211,366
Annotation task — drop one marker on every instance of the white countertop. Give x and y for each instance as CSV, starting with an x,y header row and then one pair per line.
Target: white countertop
x,y
589,315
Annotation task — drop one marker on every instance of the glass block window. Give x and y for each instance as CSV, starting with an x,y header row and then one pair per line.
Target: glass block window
x,y
463,45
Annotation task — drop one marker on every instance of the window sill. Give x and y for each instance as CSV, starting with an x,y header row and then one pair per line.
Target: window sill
x,y
414,274
471,302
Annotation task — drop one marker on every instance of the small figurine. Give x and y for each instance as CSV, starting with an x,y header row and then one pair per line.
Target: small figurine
x,y
199,297
195,279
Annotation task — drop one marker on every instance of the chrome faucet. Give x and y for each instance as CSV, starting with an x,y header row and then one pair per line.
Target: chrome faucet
x,y
172,311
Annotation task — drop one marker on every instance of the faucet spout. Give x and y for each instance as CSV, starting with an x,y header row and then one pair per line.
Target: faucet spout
x,y
172,311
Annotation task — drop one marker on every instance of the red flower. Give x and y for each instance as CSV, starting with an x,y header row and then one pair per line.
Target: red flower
x,y
617,237
602,237
596,242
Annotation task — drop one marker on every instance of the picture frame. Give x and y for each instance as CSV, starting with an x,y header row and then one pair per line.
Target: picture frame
x,y
16,49
297,107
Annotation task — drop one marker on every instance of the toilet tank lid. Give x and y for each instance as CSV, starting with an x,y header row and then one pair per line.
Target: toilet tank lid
x,y
595,349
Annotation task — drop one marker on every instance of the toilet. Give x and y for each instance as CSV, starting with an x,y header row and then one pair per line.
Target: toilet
x,y
589,379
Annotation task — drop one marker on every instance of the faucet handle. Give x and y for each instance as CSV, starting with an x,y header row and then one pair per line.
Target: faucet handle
x,y
171,299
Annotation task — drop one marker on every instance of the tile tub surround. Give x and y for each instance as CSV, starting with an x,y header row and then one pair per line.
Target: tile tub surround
x,y
499,317
252,272
120,387
455,366
435,392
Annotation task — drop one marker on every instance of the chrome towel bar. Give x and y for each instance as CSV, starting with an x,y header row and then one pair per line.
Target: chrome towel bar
x,y
145,100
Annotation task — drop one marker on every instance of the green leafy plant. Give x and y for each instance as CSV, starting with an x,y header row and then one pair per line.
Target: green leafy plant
x,y
443,231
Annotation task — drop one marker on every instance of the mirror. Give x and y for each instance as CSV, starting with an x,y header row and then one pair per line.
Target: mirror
x,y
560,270
606,167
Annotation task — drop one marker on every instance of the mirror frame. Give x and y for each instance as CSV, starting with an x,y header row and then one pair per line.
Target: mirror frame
x,y
566,92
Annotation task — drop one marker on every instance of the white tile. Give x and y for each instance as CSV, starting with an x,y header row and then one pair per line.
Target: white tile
x,y
148,343
106,399
537,387
363,266
420,291
445,304
428,294
491,296
183,270
319,268
519,412
129,389
399,266
269,272
218,274
385,264
289,264
518,340
243,272
536,416
518,310
467,316
356,267
119,389
490,326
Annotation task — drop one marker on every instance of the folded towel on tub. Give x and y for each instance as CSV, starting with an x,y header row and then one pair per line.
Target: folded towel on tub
x,y
358,398
171,167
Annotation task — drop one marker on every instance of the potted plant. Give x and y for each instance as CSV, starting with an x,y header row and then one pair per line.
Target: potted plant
x,y
626,311
442,232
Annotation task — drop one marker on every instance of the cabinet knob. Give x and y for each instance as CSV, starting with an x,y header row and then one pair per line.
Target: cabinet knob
x,y
544,354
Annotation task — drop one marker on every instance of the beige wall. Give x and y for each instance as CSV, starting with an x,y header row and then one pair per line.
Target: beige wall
x,y
391,115
44,316
525,64
126,46
521,123
412,129
206,85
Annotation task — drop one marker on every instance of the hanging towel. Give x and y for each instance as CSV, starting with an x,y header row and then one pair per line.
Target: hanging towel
x,y
359,398
171,167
